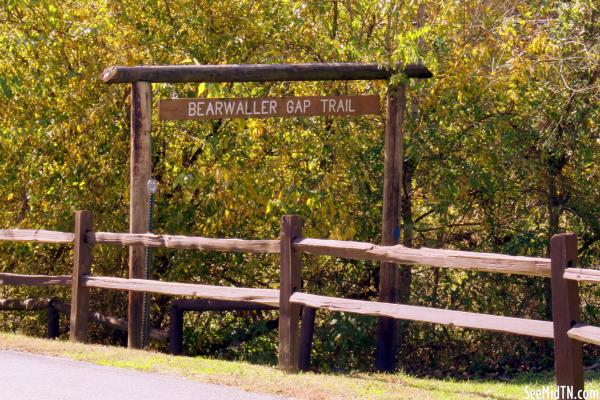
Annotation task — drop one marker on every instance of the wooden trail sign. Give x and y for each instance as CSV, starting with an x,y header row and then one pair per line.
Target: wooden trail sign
x,y
264,107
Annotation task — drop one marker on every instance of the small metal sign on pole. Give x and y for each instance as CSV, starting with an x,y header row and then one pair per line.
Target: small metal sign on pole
x,y
152,189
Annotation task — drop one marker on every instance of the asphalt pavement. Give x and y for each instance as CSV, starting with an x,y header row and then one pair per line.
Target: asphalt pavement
x,y
25,376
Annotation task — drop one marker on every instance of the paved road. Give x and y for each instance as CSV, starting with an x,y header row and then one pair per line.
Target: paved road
x,y
27,376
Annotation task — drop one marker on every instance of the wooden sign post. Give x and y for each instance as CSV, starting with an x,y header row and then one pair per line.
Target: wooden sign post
x,y
265,107
186,109
140,170
387,328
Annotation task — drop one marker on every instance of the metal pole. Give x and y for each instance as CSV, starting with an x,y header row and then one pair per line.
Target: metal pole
x,y
152,187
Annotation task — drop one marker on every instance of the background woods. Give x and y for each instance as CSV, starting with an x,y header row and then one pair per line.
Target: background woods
x,y
502,150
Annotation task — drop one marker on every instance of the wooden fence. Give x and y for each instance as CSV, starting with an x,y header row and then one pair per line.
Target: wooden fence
x,y
295,341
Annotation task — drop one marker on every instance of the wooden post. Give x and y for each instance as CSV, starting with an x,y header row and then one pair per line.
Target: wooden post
x,y
390,230
140,170
81,267
52,321
175,330
568,358
289,282
306,337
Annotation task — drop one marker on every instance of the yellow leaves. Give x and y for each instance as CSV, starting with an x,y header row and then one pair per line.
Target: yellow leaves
x,y
256,128
80,185
269,207
542,46
513,95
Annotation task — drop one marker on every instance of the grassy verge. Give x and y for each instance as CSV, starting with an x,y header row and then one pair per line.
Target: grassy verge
x,y
305,386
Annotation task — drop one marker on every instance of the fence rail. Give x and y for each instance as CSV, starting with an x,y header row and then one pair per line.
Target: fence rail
x,y
582,275
585,333
35,280
55,306
294,345
519,326
35,235
23,305
183,242
261,296
488,262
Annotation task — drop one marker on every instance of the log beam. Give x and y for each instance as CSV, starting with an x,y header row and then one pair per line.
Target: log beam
x,y
259,72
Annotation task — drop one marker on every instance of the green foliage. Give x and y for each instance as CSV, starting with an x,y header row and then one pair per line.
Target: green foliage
x,y
502,142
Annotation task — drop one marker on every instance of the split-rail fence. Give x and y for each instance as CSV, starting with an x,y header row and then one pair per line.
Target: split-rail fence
x,y
295,340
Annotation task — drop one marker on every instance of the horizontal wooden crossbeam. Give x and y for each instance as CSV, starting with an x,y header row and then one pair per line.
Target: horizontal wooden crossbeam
x,y
35,235
259,72
469,260
582,275
585,333
183,242
262,296
518,326
34,280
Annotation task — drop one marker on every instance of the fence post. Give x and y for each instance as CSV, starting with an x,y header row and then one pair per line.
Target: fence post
x,y
175,329
52,320
568,358
387,328
81,267
306,337
289,282
140,171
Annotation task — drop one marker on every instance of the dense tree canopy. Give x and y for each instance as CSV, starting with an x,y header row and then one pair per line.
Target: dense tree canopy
x,y
502,150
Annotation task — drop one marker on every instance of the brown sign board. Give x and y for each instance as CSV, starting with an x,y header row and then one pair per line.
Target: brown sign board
x,y
265,107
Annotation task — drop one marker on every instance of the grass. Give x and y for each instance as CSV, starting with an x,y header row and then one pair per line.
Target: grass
x,y
305,386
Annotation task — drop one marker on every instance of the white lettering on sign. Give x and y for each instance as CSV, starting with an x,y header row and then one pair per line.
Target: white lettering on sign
x,y
337,106
297,106
195,108
182,109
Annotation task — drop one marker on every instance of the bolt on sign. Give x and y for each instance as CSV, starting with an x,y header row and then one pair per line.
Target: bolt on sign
x,y
264,107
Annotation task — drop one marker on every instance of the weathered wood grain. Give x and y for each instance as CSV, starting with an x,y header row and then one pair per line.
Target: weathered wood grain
x,y
585,333
568,353
518,326
262,296
36,235
35,280
139,173
184,242
82,261
582,275
487,262
289,282
389,283
258,72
